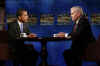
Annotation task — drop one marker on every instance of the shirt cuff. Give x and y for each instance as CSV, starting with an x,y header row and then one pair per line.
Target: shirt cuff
x,y
66,35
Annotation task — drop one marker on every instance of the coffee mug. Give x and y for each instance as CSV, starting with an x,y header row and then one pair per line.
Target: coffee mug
x,y
23,35
54,35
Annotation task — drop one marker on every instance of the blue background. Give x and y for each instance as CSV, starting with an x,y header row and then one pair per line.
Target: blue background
x,y
54,7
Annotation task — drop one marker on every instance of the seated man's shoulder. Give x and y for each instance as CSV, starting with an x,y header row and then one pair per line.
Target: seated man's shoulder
x,y
11,23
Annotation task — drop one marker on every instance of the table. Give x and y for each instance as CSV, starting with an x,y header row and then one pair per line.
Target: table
x,y
43,41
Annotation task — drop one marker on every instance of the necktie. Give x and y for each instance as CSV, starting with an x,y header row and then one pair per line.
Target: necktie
x,y
75,26
21,27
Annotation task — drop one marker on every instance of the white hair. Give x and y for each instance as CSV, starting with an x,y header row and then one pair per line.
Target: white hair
x,y
79,9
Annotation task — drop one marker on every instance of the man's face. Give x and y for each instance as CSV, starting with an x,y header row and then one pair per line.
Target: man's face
x,y
24,16
74,14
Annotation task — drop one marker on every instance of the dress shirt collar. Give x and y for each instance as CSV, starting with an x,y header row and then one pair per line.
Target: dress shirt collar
x,y
19,22
77,21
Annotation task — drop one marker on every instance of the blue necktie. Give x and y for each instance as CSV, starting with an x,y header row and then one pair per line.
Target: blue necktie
x,y
21,27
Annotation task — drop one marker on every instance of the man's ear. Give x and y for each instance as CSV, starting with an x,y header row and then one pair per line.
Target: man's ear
x,y
78,14
19,17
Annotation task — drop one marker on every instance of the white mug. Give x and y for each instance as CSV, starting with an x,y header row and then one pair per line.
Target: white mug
x,y
23,35
66,34
54,35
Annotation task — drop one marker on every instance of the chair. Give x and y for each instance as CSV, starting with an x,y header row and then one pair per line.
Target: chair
x,y
3,45
98,49
93,51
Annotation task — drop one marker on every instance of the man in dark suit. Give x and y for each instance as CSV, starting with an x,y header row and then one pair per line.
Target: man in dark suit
x,y
81,36
22,54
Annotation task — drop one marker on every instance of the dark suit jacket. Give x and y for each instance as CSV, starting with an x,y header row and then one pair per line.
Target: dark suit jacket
x,y
18,50
14,32
83,35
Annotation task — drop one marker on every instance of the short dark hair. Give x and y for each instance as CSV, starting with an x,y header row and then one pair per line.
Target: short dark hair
x,y
19,12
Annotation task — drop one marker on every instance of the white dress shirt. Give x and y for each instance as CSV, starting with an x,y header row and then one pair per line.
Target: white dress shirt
x,y
20,25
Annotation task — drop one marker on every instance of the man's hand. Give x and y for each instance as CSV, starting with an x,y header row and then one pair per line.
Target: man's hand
x,y
32,35
61,34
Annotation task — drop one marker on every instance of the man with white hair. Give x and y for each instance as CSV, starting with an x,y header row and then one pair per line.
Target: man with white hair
x,y
81,36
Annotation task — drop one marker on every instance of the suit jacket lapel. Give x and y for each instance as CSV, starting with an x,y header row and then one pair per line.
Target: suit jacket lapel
x,y
18,28
24,27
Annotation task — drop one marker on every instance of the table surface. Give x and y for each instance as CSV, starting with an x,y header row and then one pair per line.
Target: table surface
x,y
46,39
